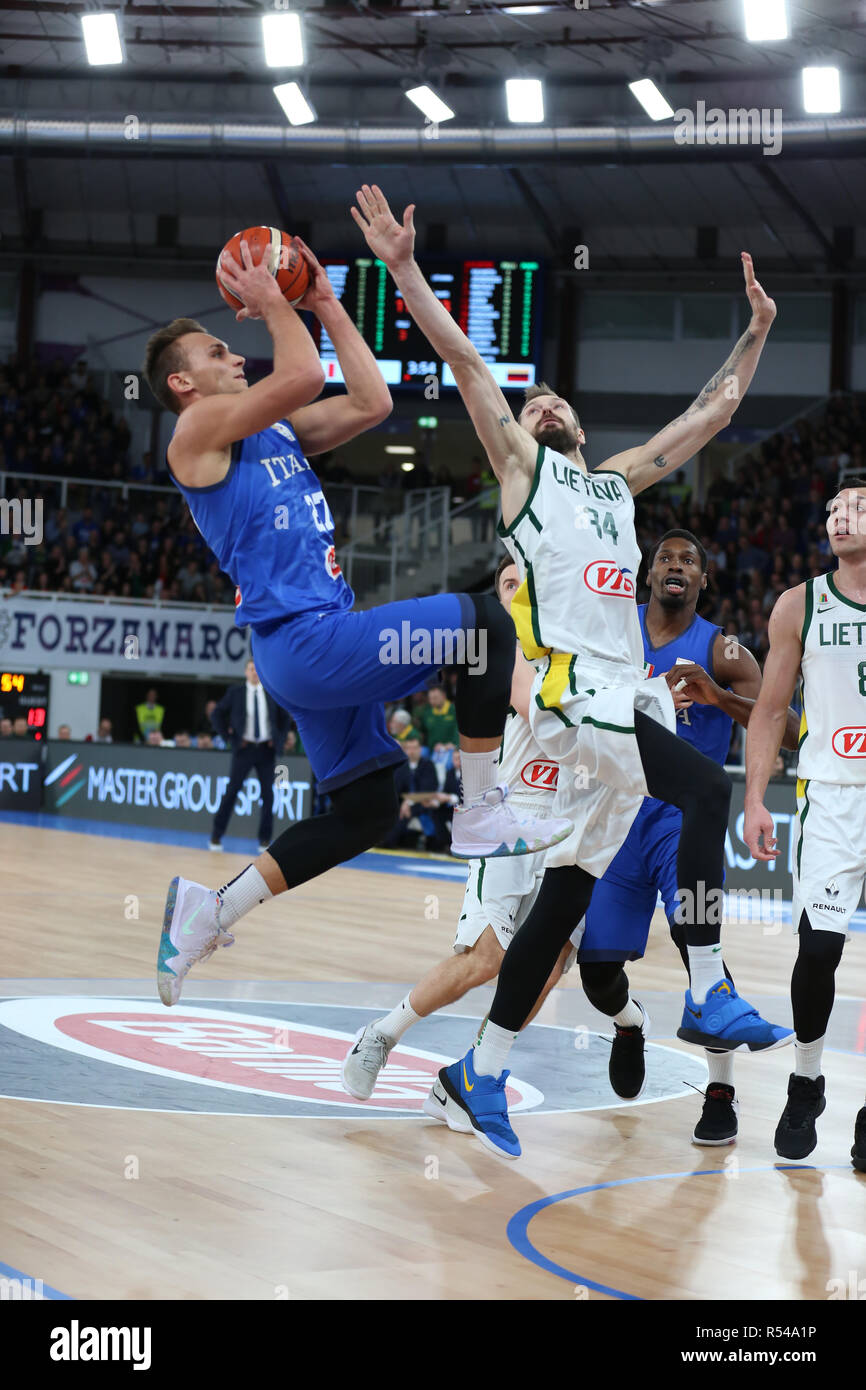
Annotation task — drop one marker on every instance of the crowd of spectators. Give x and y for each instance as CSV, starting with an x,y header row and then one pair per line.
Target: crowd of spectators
x,y
764,528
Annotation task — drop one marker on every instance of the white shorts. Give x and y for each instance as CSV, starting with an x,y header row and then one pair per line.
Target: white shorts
x,y
588,728
829,855
500,894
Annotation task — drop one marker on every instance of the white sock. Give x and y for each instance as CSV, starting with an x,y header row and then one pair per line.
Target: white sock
x,y
705,969
240,895
479,773
808,1058
395,1024
721,1068
491,1049
631,1016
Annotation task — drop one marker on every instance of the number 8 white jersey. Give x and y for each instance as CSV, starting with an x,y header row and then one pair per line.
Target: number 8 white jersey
x,y
833,723
574,543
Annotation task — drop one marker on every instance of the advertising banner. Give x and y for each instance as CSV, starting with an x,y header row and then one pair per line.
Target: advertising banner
x,y
741,870
20,775
111,635
176,788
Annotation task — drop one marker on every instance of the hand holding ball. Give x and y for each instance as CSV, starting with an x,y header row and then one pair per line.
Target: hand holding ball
x,y
239,279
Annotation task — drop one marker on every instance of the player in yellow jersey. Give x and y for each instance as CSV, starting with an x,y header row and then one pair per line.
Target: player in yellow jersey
x,y
818,635
611,731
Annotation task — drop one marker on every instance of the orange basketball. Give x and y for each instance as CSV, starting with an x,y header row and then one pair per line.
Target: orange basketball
x,y
282,257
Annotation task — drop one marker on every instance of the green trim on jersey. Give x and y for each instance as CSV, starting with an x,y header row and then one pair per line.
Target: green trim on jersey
x,y
600,724
615,471
526,509
571,684
807,616
861,607
481,867
533,606
803,814
516,543
554,709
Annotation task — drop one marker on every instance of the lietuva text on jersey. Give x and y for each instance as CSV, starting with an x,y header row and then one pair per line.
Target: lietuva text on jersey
x,y
271,530
833,668
574,543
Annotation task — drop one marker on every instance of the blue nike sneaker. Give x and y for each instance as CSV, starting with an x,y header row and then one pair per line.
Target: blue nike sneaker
x,y
482,1099
726,1021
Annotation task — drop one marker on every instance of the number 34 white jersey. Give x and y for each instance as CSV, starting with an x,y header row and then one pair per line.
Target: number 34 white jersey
x,y
574,542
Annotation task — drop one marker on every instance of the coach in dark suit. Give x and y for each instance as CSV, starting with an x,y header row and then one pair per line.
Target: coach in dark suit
x,y
256,726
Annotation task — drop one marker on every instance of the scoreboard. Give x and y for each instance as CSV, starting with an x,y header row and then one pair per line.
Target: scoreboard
x,y
23,696
495,302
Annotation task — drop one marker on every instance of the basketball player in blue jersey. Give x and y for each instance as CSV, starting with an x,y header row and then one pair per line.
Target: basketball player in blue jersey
x,y
610,731
716,682
238,455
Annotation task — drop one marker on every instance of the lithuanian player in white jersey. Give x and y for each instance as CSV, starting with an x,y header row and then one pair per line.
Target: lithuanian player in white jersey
x,y
498,898
818,634
571,533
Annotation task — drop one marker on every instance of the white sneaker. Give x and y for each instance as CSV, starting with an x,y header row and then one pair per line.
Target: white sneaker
x,y
215,847
440,1106
190,933
365,1060
489,829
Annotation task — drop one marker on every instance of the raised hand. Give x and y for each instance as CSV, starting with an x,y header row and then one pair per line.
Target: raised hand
x,y
392,243
254,284
763,308
320,291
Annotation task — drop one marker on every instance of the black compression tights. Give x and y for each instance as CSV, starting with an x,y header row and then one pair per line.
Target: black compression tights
x,y
813,983
675,772
361,814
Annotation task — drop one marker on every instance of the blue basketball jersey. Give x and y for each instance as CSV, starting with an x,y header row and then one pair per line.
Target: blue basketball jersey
x,y
706,726
271,530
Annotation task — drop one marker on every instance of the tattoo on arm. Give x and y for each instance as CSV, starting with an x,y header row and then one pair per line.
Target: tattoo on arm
x,y
715,382
661,461
504,420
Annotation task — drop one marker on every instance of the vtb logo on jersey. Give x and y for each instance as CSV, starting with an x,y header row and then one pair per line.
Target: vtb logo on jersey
x,y
604,577
850,742
540,774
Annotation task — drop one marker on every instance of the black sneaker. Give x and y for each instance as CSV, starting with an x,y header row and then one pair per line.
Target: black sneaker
x,y
718,1122
858,1152
795,1132
627,1068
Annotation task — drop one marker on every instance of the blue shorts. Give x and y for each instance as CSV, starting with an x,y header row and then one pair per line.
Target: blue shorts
x,y
333,672
624,899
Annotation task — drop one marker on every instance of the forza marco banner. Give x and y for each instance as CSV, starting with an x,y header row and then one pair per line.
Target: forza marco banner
x,y
107,636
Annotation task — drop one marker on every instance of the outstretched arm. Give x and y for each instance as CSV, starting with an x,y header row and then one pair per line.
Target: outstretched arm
x,y
712,410
770,716
509,448
366,401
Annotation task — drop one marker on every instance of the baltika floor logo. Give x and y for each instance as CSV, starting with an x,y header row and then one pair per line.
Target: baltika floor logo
x,y
280,1058
254,1056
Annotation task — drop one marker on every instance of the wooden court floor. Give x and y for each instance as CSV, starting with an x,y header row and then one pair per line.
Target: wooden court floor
x,y
101,1201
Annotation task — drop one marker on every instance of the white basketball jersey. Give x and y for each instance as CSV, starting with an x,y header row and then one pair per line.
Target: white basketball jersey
x,y
575,547
833,723
530,774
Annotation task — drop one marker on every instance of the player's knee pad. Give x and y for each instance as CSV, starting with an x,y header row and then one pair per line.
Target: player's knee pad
x,y
605,985
484,688
371,803
821,948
